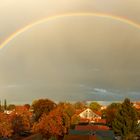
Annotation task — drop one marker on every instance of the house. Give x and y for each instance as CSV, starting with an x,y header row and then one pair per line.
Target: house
x,y
103,107
89,115
8,112
90,128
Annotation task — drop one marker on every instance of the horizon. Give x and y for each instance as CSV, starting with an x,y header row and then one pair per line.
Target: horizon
x,y
103,103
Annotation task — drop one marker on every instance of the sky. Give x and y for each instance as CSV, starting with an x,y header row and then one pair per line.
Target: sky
x,y
69,58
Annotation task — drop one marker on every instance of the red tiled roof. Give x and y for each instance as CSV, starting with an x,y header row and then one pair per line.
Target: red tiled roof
x,y
102,121
17,108
98,113
91,127
78,111
85,120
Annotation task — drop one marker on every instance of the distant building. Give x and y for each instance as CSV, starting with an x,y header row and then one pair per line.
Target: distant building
x,y
137,105
89,115
8,111
103,107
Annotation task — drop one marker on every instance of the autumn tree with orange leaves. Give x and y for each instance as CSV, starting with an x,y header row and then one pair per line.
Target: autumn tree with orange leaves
x,y
75,119
20,119
56,123
42,106
67,108
5,126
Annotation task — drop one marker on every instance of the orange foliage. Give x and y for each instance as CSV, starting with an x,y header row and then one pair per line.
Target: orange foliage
x,y
54,124
27,106
20,119
5,126
42,106
75,119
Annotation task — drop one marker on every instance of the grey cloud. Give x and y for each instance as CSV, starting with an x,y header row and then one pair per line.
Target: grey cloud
x,y
69,58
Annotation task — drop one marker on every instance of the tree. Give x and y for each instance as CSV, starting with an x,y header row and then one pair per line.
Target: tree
x,y
42,106
11,107
20,119
27,106
67,108
56,123
5,126
95,106
110,112
79,105
75,119
5,104
70,111
125,122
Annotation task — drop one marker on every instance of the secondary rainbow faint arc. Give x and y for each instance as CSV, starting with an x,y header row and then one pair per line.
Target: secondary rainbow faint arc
x,y
102,15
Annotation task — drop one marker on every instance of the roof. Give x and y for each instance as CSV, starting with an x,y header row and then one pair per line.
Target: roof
x,y
99,113
91,127
78,111
90,135
80,132
105,135
79,137
102,121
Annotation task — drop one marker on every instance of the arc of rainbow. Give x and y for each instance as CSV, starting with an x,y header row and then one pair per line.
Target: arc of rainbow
x,y
27,27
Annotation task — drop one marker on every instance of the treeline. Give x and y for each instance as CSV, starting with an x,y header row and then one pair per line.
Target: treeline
x,y
54,120
43,116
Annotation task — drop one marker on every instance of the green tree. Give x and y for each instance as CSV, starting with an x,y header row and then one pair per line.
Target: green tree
x,y
94,106
42,106
125,122
5,104
68,109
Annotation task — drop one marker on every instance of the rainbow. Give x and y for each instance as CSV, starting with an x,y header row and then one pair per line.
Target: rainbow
x,y
27,27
